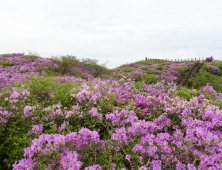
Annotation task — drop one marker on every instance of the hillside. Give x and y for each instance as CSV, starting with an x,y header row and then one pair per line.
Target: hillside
x,y
66,113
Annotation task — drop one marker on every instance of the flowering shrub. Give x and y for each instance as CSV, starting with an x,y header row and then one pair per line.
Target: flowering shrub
x,y
54,151
211,69
69,123
215,70
210,59
206,68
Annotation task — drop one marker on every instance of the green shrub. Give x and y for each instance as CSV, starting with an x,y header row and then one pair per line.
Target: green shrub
x,y
96,69
149,79
128,69
151,72
61,91
217,103
137,78
160,67
188,94
197,82
206,68
138,85
65,63
220,67
15,138
8,55
6,63
182,70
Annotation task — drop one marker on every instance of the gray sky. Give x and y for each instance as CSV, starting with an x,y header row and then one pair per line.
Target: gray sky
x,y
118,31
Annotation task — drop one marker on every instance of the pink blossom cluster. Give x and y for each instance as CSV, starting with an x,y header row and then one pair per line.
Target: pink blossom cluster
x,y
209,59
55,144
36,129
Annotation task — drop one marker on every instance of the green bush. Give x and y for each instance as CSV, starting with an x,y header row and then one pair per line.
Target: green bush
x,y
182,71
128,69
220,67
149,79
217,103
197,82
96,69
206,68
6,63
61,91
188,94
137,78
8,55
15,138
151,72
138,85
160,67
65,63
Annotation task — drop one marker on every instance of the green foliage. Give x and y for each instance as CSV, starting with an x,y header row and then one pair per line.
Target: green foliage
x,y
209,96
95,68
100,71
190,82
128,69
186,93
182,70
220,67
146,78
215,81
65,63
46,86
206,68
31,56
152,61
160,67
197,82
122,66
53,73
15,139
137,78
8,55
62,94
138,85
6,63
151,72
152,79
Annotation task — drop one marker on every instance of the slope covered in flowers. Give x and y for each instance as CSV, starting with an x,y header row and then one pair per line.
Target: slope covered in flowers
x,y
139,119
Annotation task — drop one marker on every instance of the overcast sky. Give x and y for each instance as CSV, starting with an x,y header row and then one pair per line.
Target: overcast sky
x,y
118,31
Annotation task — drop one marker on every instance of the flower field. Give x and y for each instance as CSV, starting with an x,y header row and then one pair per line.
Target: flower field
x,y
74,115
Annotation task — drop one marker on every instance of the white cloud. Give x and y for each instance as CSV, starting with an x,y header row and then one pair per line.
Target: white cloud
x,y
117,31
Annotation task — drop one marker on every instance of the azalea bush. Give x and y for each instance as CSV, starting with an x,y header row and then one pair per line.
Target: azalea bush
x,y
124,122
210,59
212,69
